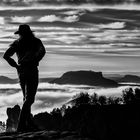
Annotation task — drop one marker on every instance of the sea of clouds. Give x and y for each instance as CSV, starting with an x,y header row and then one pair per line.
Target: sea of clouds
x,y
49,96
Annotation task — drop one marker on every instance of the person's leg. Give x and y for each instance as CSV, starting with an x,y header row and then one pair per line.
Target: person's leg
x,y
32,85
22,121
30,92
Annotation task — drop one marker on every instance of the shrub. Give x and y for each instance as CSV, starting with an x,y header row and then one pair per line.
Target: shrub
x,y
128,96
82,98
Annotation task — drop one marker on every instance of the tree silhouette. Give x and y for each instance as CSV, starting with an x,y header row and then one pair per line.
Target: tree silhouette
x,y
114,100
94,99
82,98
128,96
137,96
102,100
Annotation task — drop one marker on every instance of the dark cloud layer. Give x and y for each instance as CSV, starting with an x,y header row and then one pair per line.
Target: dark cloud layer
x,y
12,2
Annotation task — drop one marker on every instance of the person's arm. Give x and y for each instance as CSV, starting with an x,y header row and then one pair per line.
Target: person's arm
x,y
40,52
8,54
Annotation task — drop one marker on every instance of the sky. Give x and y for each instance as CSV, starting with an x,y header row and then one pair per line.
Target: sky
x,y
86,37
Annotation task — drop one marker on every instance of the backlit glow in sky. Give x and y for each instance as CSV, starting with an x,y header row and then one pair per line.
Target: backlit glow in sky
x,y
91,37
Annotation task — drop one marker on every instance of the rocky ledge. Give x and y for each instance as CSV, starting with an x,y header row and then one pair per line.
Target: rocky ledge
x,y
42,135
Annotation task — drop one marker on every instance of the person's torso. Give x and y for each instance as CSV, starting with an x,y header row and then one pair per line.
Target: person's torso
x,y
26,49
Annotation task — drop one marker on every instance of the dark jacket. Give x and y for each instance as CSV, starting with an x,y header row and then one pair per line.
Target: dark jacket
x,y
29,51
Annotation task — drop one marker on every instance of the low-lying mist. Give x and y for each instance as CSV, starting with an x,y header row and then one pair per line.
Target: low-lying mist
x,y
49,96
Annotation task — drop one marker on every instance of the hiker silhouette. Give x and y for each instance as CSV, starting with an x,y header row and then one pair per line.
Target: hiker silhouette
x,y
29,50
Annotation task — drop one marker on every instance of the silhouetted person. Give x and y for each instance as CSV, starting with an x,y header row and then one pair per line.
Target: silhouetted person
x,y
29,51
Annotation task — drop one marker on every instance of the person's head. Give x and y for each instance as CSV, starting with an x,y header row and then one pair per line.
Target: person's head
x,y
24,31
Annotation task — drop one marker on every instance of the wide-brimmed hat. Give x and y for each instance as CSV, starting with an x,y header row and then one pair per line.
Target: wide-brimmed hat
x,y
23,29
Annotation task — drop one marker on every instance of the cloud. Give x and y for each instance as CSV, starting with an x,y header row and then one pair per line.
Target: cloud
x,y
50,101
89,7
114,25
49,18
6,40
71,12
2,21
73,29
47,100
109,91
74,12
21,19
73,18
53,18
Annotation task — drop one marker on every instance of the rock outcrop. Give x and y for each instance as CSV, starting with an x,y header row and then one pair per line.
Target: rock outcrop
x,y
12,121
130,79
84,78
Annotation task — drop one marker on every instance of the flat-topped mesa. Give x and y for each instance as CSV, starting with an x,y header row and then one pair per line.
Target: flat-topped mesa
x,y
83,74
84,78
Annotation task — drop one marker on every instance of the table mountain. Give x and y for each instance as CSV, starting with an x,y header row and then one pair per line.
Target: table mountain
x,y
84,78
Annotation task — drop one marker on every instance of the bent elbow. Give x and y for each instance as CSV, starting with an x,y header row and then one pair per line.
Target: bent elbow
x,y
5,57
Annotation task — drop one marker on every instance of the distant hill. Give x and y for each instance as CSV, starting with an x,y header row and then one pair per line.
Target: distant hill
x,y
45,80
6,80
84,78
129,79
114,77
